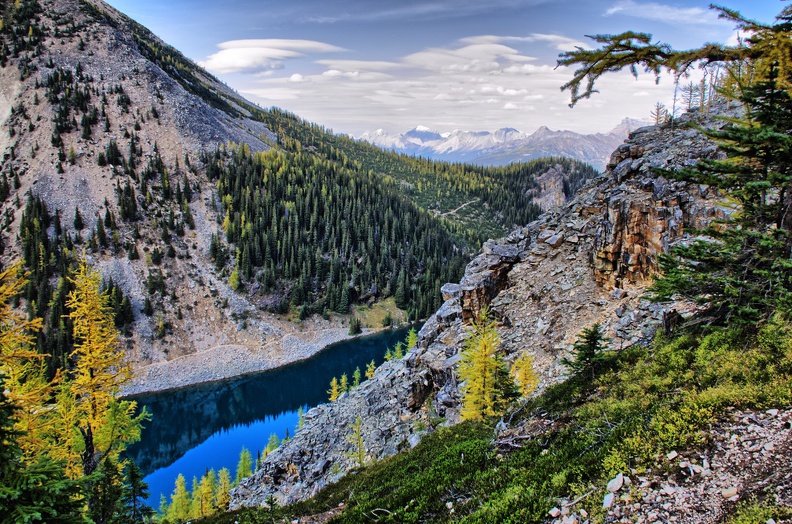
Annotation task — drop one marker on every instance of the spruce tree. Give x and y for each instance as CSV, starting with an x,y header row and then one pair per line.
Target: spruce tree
x,y
133,497
587,353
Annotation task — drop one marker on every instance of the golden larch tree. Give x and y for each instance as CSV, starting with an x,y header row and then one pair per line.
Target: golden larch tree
x,y
23,367
94,423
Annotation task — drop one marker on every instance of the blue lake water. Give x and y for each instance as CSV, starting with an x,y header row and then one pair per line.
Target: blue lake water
x,y
204,427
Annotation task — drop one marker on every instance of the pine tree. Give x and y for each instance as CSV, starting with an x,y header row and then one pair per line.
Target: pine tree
x,y
244,466
356,377
588,352
343,384
354,326
133,499
106,491
741,272
78,220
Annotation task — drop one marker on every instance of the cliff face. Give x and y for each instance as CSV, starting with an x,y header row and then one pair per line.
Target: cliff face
x,y
585,262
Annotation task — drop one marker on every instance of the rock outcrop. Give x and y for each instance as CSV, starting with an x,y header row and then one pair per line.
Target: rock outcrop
x,y
588,261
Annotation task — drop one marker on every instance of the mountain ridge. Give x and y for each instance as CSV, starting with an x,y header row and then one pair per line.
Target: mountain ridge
x,y
505,145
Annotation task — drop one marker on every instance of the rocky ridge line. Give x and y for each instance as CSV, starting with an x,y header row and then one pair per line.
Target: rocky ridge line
x,y
585,262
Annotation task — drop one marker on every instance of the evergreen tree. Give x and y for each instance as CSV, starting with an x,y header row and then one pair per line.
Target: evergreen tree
x,y
106,492
134,509
588,352
741,272
78,220
356,377
343,384
354,326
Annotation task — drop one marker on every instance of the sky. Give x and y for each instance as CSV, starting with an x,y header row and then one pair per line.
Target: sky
x,y
472,65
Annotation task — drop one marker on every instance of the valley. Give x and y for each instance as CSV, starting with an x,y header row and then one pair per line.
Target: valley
x,y
604,318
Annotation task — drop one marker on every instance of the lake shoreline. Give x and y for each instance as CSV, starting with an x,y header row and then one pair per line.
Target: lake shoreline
x,y
231,361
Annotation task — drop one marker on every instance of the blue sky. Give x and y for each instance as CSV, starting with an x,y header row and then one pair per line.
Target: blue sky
x,y
357,65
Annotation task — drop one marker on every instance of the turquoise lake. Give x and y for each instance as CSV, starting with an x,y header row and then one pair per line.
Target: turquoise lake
x,y
204,427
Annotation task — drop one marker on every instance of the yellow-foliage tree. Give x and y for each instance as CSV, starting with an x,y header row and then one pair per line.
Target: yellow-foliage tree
x,y
334,392
222,497
92,422
22,366
524,374
487,385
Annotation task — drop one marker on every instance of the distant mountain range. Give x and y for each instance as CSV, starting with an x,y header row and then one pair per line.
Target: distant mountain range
x,y
505,145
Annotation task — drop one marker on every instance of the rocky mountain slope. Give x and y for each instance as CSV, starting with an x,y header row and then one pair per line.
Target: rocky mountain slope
x,y
100,116
150,96
585,262
505,145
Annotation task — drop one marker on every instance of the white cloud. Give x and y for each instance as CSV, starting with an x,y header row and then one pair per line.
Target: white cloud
x,y
260,55
559,42
479,84
666,13
562,43
425,9
358,65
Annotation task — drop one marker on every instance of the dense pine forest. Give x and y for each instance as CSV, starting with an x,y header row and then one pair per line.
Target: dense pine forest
x,y
498,198
335,235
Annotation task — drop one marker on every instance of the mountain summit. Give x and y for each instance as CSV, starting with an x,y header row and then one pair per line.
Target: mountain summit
x,y
506,145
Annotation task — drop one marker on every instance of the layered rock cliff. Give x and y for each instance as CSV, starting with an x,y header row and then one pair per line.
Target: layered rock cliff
x,y
588,261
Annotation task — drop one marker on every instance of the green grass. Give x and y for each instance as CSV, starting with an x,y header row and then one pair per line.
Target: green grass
x,y
644,402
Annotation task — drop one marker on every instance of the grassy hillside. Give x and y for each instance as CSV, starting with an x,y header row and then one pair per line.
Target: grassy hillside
x,y
643,403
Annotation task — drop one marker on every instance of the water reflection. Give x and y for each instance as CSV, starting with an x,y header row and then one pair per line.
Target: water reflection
x,y
201,427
